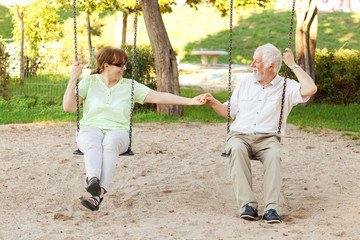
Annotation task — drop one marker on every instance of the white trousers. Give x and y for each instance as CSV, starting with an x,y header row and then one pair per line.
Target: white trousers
x,y
101,150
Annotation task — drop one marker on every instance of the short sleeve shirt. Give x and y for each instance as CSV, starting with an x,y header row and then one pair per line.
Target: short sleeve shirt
x,y
256,108
109,108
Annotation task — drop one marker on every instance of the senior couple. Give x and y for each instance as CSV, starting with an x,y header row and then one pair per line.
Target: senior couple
x,y
255,105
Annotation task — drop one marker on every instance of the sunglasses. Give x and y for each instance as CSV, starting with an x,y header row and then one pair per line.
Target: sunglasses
x,y
118,64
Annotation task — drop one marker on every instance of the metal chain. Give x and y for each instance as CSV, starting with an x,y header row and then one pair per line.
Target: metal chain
x,y
76,59
133,74
230,53
286,69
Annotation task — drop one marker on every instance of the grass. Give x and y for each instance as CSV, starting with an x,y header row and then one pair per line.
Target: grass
x,y
339,117
6,26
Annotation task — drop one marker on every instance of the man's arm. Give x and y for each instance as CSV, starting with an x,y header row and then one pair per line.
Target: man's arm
x,y
307,84
221,109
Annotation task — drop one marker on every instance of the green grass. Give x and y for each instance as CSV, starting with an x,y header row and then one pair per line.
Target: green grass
x,y
339,117
6,26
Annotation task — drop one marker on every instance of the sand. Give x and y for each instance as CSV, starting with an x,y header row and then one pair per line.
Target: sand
x,y
176,186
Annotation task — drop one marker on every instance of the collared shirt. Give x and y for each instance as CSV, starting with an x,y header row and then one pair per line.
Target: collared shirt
x,y
109,108
256,108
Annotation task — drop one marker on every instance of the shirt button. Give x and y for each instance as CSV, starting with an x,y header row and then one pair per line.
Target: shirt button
x,y
259,100
254,124
257,113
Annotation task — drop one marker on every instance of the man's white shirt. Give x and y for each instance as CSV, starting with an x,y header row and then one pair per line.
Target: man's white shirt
x,y
256,108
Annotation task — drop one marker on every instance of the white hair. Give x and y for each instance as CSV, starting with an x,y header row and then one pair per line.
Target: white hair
x,y
270,55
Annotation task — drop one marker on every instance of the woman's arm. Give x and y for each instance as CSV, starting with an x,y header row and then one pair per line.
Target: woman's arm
x,y
171,99
69,100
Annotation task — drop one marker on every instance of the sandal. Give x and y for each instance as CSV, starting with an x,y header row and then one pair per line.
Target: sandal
x,y
92,203
93,187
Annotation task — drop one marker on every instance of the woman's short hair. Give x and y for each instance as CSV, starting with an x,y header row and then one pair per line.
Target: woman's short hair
x,y
271,55
109,55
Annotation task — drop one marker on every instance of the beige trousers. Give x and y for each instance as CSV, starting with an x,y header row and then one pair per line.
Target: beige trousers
x,y
266,148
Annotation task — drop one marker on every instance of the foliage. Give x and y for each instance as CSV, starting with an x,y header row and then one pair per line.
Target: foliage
x,y
67,35
145,65
224,6
40,23
337,76
4,72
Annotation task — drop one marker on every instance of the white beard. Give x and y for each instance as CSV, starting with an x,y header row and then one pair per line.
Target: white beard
x,y
257,75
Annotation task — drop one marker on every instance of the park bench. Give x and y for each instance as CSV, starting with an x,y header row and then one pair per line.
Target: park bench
x,y
214,54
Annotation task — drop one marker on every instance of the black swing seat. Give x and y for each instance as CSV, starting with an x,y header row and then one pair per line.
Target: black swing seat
x,y
251,157
127,153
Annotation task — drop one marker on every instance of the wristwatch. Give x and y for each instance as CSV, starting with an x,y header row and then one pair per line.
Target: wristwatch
x,y
295,66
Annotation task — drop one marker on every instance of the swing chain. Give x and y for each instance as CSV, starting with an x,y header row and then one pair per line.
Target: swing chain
x,y
230,53
286,69
133,74
76,59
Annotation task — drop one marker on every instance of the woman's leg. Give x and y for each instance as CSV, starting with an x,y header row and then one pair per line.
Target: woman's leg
x,y
115,142
90,141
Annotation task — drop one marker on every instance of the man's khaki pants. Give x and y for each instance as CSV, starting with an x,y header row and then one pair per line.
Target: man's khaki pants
x,y
266,148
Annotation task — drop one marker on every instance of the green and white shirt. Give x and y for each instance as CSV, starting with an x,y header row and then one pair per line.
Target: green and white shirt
x,y
109,108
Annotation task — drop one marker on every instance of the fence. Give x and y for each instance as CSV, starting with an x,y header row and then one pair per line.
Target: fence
x,y
46,75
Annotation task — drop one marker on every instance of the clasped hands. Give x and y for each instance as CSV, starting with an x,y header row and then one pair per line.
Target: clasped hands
x,y
205,98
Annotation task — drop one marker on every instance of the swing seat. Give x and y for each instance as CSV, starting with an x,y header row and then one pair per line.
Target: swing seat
x,y
251,157
127,153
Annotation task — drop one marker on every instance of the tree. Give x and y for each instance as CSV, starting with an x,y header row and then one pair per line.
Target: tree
x,y
20,14
35,25
89,6
306,36
164,55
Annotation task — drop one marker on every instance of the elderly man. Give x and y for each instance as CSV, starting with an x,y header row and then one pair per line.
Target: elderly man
x,y
256,104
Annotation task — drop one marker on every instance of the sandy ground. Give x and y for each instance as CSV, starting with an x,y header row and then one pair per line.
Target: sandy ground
x,y
175,187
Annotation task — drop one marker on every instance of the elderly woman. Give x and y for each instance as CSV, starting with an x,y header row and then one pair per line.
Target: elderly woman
x,y
104,127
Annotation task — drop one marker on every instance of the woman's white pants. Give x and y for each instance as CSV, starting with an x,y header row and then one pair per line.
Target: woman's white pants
x,y
101,150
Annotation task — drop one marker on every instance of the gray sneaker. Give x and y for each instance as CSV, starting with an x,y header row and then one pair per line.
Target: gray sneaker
x,y
249,213
271,216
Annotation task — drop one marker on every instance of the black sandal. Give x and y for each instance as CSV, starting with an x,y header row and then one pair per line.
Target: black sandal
x,y
93,187
92,203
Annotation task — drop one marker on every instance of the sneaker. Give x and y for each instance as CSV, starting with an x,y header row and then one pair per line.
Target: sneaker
x,y
271,216
249,213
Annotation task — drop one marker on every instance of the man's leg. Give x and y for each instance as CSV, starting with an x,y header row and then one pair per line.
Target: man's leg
x,y
268,152
238,151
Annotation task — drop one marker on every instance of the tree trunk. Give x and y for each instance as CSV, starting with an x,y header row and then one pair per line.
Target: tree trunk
x,y
306,35
124,27
165,58
89,36
22,73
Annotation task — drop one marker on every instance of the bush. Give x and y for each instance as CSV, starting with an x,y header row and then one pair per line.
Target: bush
x,y
337,76
144,66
